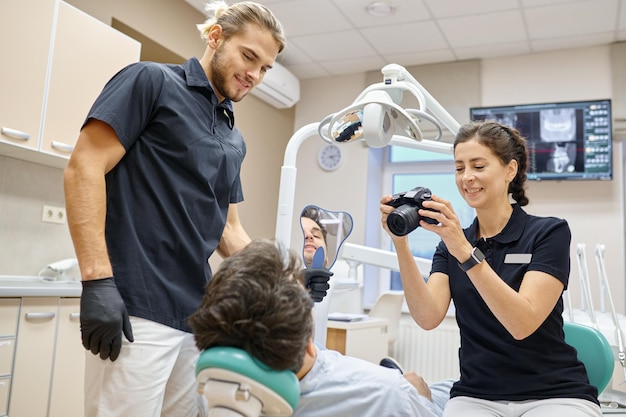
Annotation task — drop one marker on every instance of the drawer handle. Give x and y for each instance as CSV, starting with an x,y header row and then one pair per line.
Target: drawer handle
x,y
63,147
74,316
40,316
15,134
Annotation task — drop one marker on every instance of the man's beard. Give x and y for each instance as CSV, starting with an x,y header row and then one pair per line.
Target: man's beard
x,y
219,69
308,261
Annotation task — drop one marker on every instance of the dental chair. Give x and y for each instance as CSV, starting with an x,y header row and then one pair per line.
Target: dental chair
x,y
237,385
594,351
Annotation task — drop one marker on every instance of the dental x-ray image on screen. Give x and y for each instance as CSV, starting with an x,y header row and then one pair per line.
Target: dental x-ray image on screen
x,y
566,140
558,127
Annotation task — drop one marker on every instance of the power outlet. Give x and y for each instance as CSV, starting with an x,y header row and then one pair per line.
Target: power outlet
x,y
52,214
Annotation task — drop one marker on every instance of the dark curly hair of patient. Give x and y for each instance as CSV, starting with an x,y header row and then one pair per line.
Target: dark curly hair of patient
x,y
255,302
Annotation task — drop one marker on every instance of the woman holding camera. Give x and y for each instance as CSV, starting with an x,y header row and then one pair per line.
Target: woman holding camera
x,y
506,273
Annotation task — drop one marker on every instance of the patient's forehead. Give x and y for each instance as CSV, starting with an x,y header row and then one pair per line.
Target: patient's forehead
x,y
309,224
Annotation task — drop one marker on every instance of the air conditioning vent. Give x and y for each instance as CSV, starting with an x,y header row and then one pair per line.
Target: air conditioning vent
x,y
280,88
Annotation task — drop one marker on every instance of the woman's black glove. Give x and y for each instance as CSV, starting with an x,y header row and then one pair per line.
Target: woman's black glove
x,y
316,280
103,318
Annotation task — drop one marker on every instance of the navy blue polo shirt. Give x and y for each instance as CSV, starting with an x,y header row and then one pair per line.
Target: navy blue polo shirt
x,y
168,197
495,366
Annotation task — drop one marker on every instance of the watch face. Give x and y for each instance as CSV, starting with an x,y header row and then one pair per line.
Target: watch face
x,y
478,255
330,157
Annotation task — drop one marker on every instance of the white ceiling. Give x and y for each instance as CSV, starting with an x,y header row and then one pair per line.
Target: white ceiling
x,y
333,37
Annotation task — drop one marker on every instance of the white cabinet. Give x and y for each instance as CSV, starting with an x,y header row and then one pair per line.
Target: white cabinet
x,y
55,61
47,375
9,313
366,339
66,397
25,45
32,368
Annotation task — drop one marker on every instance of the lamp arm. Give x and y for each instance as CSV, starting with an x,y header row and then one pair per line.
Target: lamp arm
x,y
424,144
381,258
287,190
395,72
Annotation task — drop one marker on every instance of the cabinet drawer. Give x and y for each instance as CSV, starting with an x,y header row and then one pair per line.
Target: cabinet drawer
x,y
9,314
7,349
5,384
32,367
66,399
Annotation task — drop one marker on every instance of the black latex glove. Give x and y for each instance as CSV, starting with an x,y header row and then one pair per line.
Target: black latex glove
x,y
316,280
103,318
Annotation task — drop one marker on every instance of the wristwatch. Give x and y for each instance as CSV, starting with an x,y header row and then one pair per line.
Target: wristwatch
x,y
476,257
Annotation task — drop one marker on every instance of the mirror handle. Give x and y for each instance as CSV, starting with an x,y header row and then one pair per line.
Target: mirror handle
x,y
318,258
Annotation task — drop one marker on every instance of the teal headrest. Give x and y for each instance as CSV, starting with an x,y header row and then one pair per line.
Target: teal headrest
x,y
284,383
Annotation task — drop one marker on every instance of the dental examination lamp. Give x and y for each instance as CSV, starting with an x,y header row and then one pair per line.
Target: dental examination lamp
x,y
376,117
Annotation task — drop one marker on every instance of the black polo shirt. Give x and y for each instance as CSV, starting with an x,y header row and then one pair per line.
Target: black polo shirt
x,y
495,366
168,197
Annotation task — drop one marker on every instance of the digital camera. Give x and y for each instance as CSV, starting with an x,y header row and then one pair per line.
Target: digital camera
x,y
405,218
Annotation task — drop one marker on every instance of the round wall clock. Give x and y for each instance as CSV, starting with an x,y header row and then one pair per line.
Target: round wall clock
x,y
330,157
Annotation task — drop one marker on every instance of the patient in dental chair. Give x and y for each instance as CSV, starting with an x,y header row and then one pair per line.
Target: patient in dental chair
x,y
256,302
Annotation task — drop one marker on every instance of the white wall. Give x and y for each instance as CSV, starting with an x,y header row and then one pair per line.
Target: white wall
x,y
593,209
340,189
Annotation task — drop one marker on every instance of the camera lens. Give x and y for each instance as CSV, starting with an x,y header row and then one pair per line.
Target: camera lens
x,y
403,220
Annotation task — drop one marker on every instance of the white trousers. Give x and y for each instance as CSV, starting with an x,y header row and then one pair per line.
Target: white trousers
x,y
153,377
553,407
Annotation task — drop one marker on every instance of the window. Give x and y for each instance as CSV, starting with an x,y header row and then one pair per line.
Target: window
x,y
404,169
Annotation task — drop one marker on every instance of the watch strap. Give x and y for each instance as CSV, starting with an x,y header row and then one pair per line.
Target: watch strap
x,y
476,257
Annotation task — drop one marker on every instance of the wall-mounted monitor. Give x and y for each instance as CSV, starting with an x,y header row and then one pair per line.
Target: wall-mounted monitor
x,y
566,140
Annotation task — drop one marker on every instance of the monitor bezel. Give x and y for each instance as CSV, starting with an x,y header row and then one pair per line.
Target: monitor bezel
x,y
543,176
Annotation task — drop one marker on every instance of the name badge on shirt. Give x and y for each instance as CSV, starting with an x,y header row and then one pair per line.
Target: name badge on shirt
x,y
518,258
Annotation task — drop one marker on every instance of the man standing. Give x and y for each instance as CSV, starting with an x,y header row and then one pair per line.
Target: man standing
x,y
151,192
